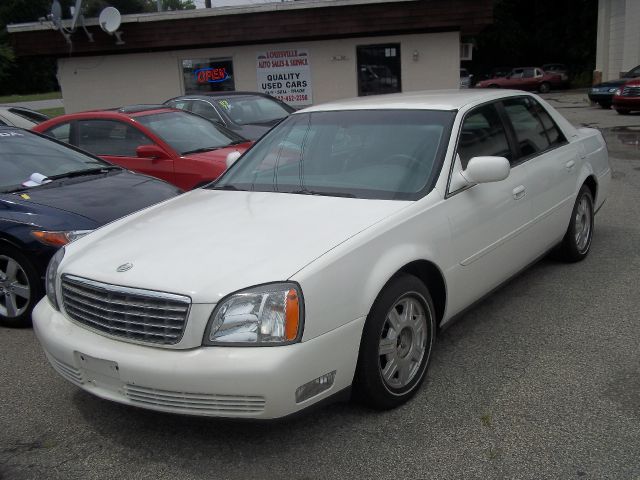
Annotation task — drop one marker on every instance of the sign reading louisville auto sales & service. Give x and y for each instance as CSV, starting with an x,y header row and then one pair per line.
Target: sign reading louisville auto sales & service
x,y
286,75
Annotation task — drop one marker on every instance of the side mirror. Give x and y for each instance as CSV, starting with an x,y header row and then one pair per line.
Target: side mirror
x,y
232,157
486,169
151,151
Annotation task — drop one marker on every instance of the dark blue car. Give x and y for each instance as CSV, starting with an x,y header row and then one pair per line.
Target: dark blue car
x,y
50,194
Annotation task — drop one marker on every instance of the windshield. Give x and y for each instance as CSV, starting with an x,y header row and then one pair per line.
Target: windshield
x,y
245,110
378,154
24,155
188,133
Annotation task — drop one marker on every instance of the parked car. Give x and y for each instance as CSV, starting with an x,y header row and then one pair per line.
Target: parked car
x,y
249,114
466,78
20,117
627,98
330,270
170,144
559,68
51,194
525,78
602,93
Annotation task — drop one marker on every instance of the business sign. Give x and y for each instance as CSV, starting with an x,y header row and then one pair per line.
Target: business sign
x,y
203,75
286,75
211,75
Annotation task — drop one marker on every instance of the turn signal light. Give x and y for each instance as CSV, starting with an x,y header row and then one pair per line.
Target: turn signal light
x,y
292,315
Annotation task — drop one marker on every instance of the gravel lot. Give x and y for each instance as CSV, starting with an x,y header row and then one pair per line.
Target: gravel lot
x,y
541,380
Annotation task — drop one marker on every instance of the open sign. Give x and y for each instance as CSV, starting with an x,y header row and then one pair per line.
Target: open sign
x,y
211,75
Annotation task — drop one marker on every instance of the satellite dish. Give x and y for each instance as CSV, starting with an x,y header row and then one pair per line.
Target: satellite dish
x,y
56,11
110,20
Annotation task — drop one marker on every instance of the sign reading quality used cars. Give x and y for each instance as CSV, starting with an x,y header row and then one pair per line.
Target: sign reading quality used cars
x,y
286,75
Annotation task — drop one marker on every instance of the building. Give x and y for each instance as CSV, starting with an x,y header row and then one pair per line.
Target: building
x,y
304,52
618,47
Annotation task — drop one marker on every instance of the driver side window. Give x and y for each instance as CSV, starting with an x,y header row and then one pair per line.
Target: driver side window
x,y
110,137
483,134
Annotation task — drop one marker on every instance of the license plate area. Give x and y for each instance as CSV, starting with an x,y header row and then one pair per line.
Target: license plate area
x,y
99,372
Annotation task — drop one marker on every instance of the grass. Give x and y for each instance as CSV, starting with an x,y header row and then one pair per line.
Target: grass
x,y
52,112
30,98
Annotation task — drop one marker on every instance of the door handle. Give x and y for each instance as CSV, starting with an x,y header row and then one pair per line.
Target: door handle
x,y
519,192
569,165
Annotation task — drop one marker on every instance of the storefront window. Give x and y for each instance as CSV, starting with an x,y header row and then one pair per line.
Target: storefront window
x,y
208,75
379,69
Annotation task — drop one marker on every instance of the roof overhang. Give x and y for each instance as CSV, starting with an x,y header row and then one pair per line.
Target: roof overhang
x,y
257,24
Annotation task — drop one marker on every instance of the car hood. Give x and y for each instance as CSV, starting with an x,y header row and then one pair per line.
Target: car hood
x,y
612,83
100,198
209,243
254,131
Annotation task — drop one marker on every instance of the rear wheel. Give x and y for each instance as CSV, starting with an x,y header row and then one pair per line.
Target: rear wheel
x,y
19,288
396,344
544,87
577,241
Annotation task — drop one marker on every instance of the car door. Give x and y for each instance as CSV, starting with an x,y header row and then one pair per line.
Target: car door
x,y
486,220
117,142
514,80
553,165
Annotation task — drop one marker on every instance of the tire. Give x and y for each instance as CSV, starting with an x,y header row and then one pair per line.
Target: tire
x,y
623,111
387,380
577,241
493,85
545,87
605,105
20,288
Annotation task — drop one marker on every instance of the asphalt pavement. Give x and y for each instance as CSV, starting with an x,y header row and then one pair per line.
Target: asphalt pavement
x,y
539,381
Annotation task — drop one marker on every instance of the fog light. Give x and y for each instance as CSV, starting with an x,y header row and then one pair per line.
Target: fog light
x,y
314,387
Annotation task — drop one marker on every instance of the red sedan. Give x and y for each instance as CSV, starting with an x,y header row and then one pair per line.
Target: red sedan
x,y
627,97
176,146
525,78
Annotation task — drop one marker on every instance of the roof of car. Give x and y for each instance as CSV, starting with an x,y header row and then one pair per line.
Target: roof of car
x,y
424,100
222,94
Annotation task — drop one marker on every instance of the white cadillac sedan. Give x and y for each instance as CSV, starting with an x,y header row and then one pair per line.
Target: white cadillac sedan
x,y
327,258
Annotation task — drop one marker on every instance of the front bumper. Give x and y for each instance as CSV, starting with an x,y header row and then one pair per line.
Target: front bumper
x,y
605,97
632,103
238,382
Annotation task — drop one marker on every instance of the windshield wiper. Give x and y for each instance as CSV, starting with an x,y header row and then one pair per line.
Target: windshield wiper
x,y
237,142
227,187
305,191
15,190
88,171
203,149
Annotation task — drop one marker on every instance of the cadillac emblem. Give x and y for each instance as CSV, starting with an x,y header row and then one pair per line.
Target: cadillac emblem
x,y
124,267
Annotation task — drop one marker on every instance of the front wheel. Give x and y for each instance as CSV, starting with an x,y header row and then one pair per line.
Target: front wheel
x,y
396,344
19,288
577,240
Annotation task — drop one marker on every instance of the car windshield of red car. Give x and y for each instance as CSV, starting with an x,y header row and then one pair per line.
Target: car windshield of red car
x,y
189,133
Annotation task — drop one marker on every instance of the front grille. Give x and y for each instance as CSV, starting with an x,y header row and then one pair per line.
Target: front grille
x,y
134,314
631,91
195,403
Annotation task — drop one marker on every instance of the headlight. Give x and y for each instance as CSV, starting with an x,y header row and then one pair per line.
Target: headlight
x,y
614,90
51,277
617,92
266,315
58,239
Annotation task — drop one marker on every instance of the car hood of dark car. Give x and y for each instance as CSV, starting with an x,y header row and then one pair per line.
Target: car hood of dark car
x,y
254,131
612,83
99,198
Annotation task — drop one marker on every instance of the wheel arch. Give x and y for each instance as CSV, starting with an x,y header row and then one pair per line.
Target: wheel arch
x,y
431,275
592,183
